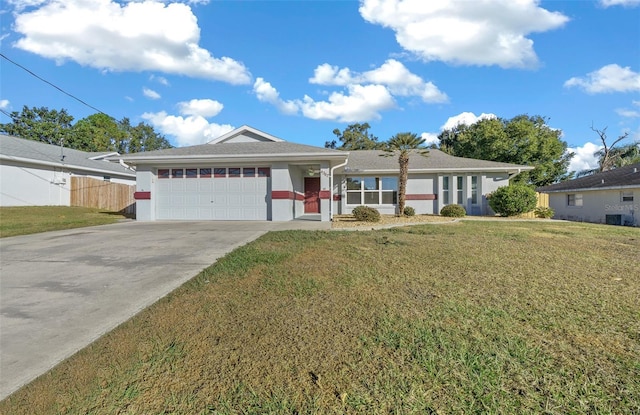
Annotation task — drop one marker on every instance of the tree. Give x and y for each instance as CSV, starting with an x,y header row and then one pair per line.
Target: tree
x,y
40,124
610,156
97,132
403,144
355,137
521,140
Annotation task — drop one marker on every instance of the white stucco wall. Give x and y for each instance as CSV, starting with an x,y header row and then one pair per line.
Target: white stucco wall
x,y
596,204
145,182
281,179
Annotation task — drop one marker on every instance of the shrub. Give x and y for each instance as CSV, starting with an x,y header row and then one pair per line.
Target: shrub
x,y
409,211
544,212
453,211
513,200
366,214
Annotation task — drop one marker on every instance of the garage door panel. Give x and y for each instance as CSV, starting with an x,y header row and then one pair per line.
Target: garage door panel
x,y
212,198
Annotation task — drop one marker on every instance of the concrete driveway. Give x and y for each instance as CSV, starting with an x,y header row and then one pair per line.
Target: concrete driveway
x,y
59,291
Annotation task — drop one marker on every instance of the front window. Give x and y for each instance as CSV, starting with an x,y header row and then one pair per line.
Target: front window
x,y
460,190
474,190
574,199
445,190
372,190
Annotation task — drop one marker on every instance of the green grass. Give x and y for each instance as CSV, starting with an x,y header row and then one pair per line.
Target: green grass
x,y
34,219
473,317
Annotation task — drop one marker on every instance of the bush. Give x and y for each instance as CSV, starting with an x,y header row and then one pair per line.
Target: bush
x,y
513,200
453,211
544,212
409,211
366,214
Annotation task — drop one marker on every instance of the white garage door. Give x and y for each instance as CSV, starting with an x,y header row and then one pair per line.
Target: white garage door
x,y
216,193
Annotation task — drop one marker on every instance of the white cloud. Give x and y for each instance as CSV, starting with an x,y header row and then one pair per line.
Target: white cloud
x,y
584,158
465,32
200,107
361,103
628,113
150,93
159,79
625,3
130,36
392,74
430,138
609,78
191,126
190,130
267,93
4,104
467,118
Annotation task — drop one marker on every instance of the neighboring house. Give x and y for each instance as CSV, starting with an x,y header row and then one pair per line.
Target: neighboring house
x,y
611,197
39,174
247,174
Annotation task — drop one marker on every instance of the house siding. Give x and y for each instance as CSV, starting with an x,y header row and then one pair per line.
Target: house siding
x,y
596,205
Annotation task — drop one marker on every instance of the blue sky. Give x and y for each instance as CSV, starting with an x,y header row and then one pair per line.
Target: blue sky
x,y
299,69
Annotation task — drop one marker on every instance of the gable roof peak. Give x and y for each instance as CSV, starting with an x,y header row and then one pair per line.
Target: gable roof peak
x,y
253,133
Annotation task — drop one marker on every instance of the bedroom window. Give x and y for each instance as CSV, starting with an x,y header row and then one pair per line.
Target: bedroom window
x,y
626,196
445,190
574,199
372,190
474,190
460,190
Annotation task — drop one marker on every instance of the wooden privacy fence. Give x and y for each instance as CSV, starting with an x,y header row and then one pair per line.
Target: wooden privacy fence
x,y
94,193
543,201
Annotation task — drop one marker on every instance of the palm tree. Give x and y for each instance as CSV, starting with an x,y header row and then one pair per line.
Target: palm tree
x,y
404,144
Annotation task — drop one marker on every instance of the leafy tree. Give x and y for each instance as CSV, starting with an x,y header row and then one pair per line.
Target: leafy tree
x,y
355,137
610,156
513,200
403,144
40,124
97,132
520,140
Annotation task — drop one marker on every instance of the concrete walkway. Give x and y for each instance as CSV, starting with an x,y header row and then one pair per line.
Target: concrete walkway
x,y
60,291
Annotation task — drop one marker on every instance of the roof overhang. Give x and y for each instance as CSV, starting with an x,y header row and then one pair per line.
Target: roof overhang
x,y
66,166
590,189
508,170
194,159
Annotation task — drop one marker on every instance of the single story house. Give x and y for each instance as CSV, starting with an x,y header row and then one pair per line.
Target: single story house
x,y
33,173
247,174
610,197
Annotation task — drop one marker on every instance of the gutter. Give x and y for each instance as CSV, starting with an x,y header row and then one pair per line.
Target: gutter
x,y
331,186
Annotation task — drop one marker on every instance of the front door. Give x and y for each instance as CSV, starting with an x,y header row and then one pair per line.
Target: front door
x,y
311,195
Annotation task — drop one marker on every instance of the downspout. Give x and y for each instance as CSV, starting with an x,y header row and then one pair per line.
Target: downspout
x,y
331,186
511,176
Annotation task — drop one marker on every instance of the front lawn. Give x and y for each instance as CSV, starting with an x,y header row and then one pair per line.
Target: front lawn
x,y
24,220
467,317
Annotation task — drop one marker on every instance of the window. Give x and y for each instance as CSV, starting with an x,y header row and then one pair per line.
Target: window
x,y
249,172
574,199
460,190
205,173
372,190
474,190
264,172
445,190
177,173
220,172
108,179
234,171
163,174
626,196
191,173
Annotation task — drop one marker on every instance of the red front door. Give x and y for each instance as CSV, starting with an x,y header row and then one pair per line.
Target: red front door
x,y
311,195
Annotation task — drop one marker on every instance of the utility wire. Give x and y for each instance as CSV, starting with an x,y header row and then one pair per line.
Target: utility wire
x,y
55,86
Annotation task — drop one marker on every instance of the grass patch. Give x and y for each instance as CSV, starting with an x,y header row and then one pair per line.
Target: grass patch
x,y
476,317
26,220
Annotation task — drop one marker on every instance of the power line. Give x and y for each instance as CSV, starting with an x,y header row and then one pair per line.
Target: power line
x,y
53,85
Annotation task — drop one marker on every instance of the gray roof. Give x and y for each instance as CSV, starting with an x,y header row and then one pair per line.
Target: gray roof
x,y
434,160
628,176
14,148
234,149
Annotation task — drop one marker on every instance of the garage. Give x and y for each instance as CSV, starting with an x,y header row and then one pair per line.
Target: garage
x,y
213,193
